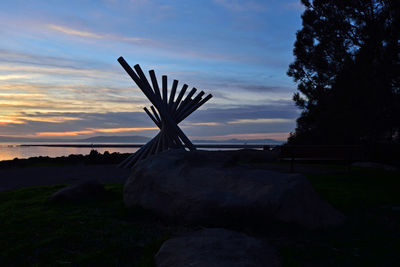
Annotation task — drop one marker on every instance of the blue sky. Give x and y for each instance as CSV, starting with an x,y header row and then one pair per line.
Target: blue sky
x,y
59,76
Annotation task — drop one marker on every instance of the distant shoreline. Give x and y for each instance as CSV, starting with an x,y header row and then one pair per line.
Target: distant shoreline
x,y
240,146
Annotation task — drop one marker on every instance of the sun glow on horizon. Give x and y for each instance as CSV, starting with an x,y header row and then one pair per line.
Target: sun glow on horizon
x,y
94,131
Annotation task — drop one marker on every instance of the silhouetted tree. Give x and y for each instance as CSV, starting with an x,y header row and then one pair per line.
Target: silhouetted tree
x,y
347,67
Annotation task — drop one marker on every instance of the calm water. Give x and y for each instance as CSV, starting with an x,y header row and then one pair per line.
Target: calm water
x,y
9,151
13,150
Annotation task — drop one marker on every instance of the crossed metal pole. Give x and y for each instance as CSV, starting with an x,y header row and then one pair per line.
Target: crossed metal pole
x,y
165,113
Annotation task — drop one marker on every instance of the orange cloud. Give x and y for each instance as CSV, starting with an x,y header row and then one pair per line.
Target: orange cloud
x,y
73,133
50,119
68,96
95,35
5,121
265,120
74,32
14,77
118,130
94,131
20,96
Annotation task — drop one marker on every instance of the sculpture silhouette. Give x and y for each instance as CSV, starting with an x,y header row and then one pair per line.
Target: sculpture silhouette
x,y
165,113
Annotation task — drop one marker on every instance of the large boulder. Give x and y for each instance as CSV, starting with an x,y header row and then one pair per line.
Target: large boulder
x,y
207,187
83,191
216,248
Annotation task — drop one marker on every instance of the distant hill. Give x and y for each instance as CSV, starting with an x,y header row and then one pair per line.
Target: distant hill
x,y
136,139
117,139
26,140
239,141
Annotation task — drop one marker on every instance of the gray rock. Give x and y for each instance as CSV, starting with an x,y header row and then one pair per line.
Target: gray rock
x,y
205,187
216,248
86,190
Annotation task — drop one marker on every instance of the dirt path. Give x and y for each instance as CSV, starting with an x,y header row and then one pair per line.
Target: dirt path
x,y
22,177
32,176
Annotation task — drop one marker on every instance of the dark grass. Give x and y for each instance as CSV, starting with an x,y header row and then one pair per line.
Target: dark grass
x,y
370,200
361,188
34,232
104,233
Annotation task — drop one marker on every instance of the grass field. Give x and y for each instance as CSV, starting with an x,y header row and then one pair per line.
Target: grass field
x,y
370,199
34,232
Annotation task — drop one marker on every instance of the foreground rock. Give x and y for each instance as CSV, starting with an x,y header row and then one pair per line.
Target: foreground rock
x,y
205,187
216,248
86,190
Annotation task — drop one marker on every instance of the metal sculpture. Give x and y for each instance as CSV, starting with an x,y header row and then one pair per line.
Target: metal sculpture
x,y
165,112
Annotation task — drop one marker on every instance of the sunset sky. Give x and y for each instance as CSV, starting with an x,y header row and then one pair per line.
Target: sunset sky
x,y
59,75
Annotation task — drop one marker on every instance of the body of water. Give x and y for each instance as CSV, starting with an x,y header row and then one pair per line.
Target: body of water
x,y
10,151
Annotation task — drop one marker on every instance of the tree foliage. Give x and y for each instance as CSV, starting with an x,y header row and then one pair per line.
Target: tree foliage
x,y
347,68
